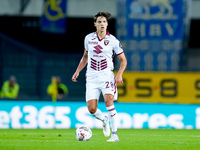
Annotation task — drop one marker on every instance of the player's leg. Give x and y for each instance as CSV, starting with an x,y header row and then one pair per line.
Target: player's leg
x,y
92,107
109,91
92,97
112,115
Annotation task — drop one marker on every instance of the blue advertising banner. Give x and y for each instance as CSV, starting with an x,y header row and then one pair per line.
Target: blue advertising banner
x,y
152,33
53,19
48,115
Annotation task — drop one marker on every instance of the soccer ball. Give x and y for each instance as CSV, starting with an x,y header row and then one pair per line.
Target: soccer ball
x,y
83,133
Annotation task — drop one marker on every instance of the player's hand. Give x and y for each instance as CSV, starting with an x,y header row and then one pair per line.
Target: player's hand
x,y
118,80
75,76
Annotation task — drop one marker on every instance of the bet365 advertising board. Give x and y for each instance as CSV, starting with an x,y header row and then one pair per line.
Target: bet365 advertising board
x,y
160,87
65,115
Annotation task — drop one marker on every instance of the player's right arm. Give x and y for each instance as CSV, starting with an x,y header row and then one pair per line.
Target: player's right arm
x,y
81,65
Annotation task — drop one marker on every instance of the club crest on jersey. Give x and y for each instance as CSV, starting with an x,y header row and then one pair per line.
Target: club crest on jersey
x,y
106,42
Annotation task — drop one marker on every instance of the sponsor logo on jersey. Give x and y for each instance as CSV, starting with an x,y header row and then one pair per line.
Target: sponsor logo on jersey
x,y
92,42
106,42
98,56
98,49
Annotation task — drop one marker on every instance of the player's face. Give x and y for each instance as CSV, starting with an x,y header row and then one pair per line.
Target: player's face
x,y
101,24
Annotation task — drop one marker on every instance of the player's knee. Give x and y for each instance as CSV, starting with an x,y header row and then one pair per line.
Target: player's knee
x,y
92,110
108,100
109,103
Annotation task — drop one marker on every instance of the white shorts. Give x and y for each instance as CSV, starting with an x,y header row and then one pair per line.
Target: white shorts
x,y
97,85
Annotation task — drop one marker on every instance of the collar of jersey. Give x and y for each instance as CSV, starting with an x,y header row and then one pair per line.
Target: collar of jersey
x,y
107,34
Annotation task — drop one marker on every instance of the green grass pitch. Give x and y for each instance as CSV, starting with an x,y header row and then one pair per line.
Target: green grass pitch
x,y
133,139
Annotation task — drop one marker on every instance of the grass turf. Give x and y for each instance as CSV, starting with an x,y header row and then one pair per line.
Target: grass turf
x,y
64,139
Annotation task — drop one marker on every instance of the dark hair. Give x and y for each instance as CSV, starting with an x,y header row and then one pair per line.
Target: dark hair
x,y
107,15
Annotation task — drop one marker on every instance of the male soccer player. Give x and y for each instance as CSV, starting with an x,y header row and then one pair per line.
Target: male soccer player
x,y
100,47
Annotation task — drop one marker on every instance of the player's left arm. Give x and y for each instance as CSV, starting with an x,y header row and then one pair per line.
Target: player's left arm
x,y
118,78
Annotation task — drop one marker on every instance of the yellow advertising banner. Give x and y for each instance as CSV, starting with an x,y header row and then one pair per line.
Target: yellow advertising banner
x,y
159,87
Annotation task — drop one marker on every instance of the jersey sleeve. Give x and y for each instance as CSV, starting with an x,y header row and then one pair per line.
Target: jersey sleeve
x,y
118,47
85,43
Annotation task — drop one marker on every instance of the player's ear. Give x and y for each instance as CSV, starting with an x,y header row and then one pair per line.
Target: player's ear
x,y
95,24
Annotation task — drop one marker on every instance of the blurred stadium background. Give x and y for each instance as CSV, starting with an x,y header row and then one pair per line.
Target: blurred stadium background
x,y
44,38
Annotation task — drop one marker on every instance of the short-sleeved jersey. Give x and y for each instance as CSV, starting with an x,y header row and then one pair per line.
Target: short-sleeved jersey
x,y
101,53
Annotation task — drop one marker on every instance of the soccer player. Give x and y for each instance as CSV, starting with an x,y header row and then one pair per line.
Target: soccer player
x,y
100,47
